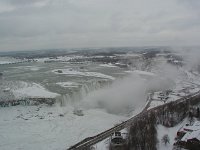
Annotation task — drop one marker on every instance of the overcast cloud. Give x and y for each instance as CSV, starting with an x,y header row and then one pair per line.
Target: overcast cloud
x,y
42,24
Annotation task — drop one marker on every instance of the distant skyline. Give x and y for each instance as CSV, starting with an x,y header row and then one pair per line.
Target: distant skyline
x,y
49,24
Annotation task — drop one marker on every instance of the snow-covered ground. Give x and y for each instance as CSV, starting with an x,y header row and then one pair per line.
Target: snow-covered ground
x,y
32,68
25,89
9,60
42,127
68,84
71,71
140,72
171,132
60,58
155,103
185,84
191,131
107,65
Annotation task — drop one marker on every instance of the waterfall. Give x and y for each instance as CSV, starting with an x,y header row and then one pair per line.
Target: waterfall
x,y
77,95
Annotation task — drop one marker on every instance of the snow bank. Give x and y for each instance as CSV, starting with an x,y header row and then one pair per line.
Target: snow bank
x,y
68,84
43,128
8,60
60,58
139,72
70,71
171,132
32,68
32,90
107,65
143,73
155,104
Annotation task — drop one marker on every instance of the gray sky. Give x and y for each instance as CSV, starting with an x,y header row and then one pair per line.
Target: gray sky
x,y
42,24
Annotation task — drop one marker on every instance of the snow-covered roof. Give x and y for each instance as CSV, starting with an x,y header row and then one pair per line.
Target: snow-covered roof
x,y
192,131
194,127
191,135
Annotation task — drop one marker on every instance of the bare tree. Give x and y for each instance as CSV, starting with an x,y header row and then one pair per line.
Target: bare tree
x,y
165,139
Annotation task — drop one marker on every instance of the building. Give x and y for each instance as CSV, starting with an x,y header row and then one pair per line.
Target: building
x,y
117,142
189,136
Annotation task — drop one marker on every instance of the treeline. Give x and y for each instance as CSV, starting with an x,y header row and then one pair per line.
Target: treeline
x,y
143,133
28,101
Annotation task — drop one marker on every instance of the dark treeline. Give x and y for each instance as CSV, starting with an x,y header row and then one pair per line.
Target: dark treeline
x,y
28,101
143,133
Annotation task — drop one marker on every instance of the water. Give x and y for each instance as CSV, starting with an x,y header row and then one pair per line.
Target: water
x,y
42,73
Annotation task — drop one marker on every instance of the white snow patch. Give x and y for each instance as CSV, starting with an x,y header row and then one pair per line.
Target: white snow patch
x,y
52,132
139,72
9,60
32,68
68,84
32,90
60,58
155,104
171,132
71,71
107,65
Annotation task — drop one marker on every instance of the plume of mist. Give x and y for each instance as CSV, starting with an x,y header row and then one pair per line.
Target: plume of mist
x,y
131,92
168,71
191,57
125,95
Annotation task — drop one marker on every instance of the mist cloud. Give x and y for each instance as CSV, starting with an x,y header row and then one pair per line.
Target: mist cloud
x,y
127,94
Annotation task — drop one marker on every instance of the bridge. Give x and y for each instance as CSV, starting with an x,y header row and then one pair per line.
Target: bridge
x,y
90,141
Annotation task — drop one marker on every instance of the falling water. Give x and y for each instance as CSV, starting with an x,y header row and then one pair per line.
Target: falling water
x,y
83,91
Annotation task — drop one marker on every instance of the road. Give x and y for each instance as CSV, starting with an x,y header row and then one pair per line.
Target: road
x,y
90,141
